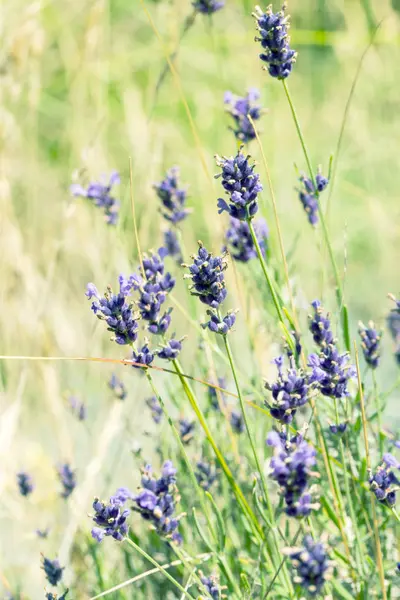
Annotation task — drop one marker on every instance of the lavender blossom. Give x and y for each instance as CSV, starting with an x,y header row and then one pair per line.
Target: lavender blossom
x,y
384,483
155,408
207,275
173,198
211,585
291,390
186,430
393,323
51,596
157,499
291,469
52,570
370,343
111,518
241,184
100,194
218,324
237,421
309,193
116,312
25,483
170,350
213,393
206,474
118,387
331,368
239,241
144,356
239,108
338,429
207,7
172,245
275,41
312,565
78,408
67,478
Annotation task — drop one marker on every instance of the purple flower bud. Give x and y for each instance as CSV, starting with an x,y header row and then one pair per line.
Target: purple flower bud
x,y
274,39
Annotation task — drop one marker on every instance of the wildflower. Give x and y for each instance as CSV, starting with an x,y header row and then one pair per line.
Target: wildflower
x,y
207,275
213,393
206,474
237,421
338,429
25,483
383,483
118,387
291,469
68,480
116,312
156,410
51,596
173,198
241,184
211,585
239,241
170,350
52,570
291,390
309,193
77,407
111,518
370,342
275,41
239,108
100,194
207,7
329,366
144,356
186,430
172,246
218,324
157,499
312,565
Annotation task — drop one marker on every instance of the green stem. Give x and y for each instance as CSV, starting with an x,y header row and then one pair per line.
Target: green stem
x,y
257,461
339,291
159,567
378,412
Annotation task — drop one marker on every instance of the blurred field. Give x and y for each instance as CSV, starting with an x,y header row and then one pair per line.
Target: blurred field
x,y
77,87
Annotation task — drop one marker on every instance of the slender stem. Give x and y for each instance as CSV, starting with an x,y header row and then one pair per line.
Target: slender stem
x,y
160,568
378,412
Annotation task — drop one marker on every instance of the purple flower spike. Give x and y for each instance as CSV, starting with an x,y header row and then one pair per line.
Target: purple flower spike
x,y
239,241
239,108
207,7
100,194
173,198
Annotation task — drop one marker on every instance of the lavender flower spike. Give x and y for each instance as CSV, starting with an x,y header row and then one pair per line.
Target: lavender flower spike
x,y
239,241
118,387
370,342
52,570
173,198
68,480
312,565
241,184
207,7
239,109
100,194
309,193
275,41
384,483
25,483
111,518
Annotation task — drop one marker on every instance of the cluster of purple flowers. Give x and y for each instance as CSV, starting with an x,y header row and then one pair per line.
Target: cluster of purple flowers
x,y
52,570
67,478
275,41
208,283
155,408
211,585
173,198
384,482
116,311
291,469
172,245
370,343
239,108
330,367
241,184
207,7
206,474
51,596
111,518
157,499
118,387
100,194
312,565
290,391
186,430
25,483
239,241
309,193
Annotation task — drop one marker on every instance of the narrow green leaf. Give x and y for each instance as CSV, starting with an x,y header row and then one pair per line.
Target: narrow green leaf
x,y
346,327
245,585
329,509
341,590
201,532
220,524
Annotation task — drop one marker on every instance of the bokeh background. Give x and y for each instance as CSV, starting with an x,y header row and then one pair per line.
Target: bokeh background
x,y
77,92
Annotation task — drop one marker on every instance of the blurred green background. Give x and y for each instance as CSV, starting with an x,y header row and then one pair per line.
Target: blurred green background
x,y
77,91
